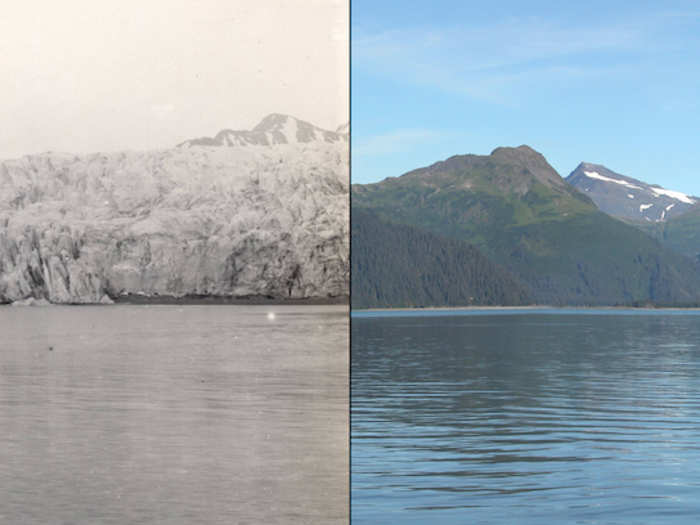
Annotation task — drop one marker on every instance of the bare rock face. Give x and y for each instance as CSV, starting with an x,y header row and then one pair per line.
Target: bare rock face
x,y
209,220
629,199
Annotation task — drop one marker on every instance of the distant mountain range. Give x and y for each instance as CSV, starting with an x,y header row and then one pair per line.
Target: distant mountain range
x,y
263,215
273,129
548,233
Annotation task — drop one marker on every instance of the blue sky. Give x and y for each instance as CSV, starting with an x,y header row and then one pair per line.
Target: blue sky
x,y
615,84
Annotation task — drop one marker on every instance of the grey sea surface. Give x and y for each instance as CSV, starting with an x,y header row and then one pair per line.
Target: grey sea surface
x,y
525,416
174,414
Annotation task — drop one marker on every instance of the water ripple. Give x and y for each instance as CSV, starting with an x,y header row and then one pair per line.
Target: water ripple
x,y
530,418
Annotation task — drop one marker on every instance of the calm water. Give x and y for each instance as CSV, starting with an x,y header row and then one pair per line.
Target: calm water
x,y
526,417
167,414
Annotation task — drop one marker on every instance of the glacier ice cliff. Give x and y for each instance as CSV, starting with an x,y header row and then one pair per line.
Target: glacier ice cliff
x,y
231,219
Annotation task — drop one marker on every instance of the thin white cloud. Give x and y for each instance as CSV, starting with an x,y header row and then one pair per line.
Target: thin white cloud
x,y
500,44
492,62
394,141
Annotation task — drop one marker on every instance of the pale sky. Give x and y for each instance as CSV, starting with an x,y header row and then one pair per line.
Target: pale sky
x,y
84,75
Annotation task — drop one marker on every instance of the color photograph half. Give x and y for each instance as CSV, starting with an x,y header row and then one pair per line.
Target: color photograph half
x,y
525,338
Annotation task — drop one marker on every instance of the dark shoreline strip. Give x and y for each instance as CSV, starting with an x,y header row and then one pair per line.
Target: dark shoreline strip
x,y
222,299
213,300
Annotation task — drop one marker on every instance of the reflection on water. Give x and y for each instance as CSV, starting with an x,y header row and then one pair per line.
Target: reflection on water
x,y
166,414
526,418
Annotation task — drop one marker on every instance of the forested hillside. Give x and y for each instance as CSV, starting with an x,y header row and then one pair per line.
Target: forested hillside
x,y
398,265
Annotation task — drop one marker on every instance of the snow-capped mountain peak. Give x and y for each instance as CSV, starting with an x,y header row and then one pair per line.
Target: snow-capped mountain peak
x,y
275,128
628,198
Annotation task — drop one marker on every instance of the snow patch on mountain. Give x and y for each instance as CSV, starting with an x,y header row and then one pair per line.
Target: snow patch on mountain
x,y
673,194
596,175
643,207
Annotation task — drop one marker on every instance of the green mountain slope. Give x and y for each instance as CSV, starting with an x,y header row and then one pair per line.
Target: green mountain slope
x,y
681,234
517,210
398,265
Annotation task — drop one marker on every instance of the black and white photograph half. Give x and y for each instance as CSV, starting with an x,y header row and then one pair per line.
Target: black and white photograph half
x,y
174,262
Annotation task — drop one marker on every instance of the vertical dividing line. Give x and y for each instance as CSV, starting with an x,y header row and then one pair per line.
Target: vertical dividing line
x,y
350,261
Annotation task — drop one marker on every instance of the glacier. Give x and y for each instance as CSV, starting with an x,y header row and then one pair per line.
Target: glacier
x,y
236,219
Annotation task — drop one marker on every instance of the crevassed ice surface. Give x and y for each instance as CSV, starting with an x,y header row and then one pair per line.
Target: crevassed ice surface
x,y
255,220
